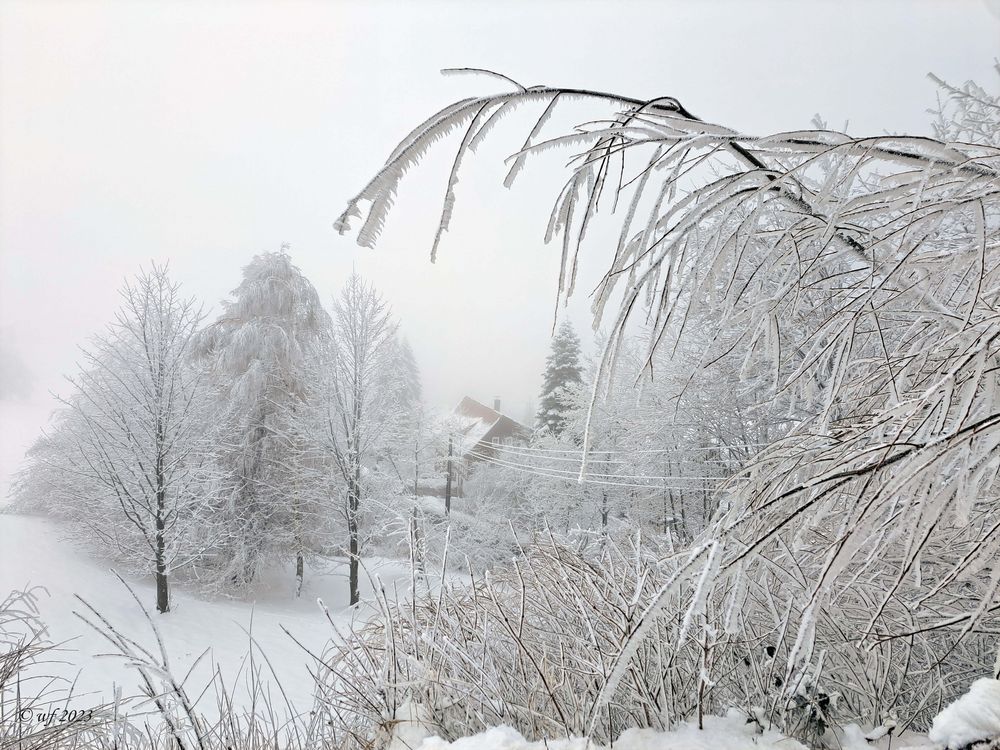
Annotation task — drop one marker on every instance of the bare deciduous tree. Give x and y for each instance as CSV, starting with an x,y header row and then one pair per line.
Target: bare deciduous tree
x,y
352,400
126,452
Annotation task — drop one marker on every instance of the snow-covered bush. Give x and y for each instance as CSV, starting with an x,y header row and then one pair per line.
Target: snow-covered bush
x,y
536,644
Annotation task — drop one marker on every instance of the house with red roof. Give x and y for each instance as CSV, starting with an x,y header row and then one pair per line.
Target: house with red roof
x,y
479,429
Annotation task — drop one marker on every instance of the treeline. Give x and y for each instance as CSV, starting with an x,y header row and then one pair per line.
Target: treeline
x,y
278,432
286,431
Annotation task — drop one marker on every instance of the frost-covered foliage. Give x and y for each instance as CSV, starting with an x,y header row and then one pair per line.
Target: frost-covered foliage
x,y
124,461
42,711
659,452
562,371
533,644
526,646
171,710
967,113
412,520
24,652
845,289
256,356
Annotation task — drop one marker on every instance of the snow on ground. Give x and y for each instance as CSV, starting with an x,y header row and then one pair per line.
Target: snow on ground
x,y
972,718
730,732
32,552
435,506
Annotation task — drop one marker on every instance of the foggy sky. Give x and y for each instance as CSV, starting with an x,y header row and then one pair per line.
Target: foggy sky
x,y
205,133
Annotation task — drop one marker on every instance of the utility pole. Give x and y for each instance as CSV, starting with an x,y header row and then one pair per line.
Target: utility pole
x,y
414,524
604,505
447,482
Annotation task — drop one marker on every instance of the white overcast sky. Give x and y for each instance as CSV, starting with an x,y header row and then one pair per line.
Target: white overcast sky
x,y
205,132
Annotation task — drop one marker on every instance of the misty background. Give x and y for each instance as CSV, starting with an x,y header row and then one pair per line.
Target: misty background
x,y
205,133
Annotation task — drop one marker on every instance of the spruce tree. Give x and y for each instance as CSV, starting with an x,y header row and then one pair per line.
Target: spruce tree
x,y
562,369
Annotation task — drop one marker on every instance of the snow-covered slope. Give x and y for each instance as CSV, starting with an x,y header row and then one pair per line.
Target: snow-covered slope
x,y
33,553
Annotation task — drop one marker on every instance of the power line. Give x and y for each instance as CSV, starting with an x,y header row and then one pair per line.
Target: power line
x,y
597,462
625,451
594,456
574,477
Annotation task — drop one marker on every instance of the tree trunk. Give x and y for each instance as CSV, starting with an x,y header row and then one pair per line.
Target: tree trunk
x,y
162,590
414,527
299,570
415,543
353,503
250,535
160,553
297,520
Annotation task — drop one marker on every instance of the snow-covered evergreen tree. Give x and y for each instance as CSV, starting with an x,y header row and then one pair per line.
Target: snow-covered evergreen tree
x,y
256,355
562,370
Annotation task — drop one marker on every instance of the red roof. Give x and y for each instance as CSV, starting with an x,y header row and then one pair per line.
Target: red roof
x,y
480,424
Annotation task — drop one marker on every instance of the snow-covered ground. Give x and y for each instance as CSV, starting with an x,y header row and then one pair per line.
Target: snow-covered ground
x,y
33,553
972,718
730,732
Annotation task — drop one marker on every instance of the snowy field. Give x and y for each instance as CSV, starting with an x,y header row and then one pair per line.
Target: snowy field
x,y
32,553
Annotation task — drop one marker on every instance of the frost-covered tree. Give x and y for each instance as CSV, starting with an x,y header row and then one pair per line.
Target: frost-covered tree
x,y
354,398
562,371
411,390
659,448
125,454
411,430
255,354
854,283
405,456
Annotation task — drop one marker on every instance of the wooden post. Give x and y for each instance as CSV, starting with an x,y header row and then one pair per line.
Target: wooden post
x,y
447,482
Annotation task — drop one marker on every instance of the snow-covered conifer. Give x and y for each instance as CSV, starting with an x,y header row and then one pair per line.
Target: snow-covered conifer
x,y
255,354
562,370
